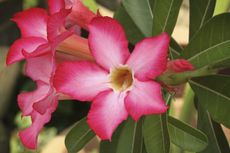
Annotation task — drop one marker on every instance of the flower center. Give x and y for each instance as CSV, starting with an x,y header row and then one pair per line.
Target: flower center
x,y
121,78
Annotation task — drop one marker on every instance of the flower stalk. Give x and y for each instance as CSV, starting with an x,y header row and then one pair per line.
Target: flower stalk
x,y
76,46
173,79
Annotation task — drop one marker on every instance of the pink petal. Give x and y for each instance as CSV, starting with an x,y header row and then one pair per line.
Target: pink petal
x,y
29,44
56,5
27,99
106,113
69,3
80,14
81,80
145,98
29,135
149,58
32,22
42,105
108,43
40,68
56,24
41,50
179,65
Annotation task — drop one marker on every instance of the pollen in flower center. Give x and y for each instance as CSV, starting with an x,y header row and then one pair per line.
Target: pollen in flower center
x,y
121,78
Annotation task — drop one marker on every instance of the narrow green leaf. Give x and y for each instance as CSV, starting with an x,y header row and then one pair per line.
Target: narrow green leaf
x,y
132,31
78,136
143,148
110,4
185,136
175,49
131,140
217,140
200,12
141,13
155,134
211,43
165,13
221,6
222,64
213,94
111,146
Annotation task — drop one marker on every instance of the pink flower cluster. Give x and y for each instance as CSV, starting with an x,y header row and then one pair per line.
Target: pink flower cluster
x,y
42,34
100,69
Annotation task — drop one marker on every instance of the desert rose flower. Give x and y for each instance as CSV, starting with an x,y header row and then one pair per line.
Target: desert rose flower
x,y
42,35
119,83
79,15
37,46
179,65
40,103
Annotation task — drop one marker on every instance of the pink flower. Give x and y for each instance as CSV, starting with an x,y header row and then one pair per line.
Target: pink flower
x,y
179,65
40,103
80,15
119,83
42,34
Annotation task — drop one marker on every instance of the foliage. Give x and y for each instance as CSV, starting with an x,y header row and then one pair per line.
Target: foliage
x,y
208,49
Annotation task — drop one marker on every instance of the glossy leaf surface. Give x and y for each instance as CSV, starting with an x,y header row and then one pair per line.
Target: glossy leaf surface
x,y
211,43
155,134
78,136
217,141
200,12
213,94
185,136
165,13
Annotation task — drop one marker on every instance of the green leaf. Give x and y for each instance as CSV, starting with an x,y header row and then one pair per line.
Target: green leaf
x,y
136,27
132,22
155,134
78,136
175,49
135,35
217,140
200,12
141,13
221,6
213,94
144,149
222,64
132,31
185,136
165,13
211,43
131,140
111,146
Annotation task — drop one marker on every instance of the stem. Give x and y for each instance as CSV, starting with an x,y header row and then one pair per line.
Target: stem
x,y
183,77
169,99
76,46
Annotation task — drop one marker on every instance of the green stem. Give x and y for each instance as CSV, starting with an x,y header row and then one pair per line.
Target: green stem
x,y
173,79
